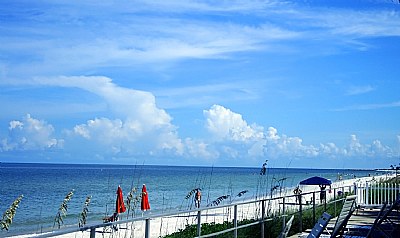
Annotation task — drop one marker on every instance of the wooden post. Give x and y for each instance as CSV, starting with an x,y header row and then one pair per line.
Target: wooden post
x,y
301,213
313,208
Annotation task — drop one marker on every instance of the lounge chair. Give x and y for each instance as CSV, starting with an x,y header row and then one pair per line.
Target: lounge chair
x,y
285,231
379,226
114,217
320,225
348,208
341,222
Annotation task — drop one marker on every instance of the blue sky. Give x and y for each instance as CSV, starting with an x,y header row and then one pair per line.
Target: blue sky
x,y
225,83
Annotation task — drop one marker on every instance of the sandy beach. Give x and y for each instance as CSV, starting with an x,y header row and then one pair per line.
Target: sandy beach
x,y
161,226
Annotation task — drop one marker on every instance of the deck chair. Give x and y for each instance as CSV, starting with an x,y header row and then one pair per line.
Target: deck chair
x,y
114,217
285,231
383,216
377,220
348,208
320,225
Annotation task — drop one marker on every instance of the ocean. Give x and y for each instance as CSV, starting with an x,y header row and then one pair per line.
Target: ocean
x,y
44,187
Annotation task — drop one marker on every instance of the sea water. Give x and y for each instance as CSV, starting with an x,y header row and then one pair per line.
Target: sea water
x,y
44,187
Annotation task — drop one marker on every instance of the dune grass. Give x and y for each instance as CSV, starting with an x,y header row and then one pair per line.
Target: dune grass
x,y
9,214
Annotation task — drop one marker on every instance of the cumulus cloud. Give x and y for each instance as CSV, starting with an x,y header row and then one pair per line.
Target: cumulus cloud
x,y
230,136
30,134
376,148
138,122
225,124
200,149
237,139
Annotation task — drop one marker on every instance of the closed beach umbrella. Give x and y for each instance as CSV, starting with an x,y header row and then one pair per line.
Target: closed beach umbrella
x,y
145,205
120,206
316,181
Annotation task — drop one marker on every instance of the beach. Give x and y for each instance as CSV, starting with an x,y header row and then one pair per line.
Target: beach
x,y
164,225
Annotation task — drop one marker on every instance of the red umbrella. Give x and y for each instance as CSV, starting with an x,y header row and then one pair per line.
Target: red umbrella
x,y
120,206
145,199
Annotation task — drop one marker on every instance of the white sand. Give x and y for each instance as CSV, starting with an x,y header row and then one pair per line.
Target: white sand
x,y
166,225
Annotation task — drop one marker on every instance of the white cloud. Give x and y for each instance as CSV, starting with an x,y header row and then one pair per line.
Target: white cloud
x,y
373,106
30,134
206,94
365,23
225,124
234,138
200,149
375,149
330,149
231,138
139,123
360,90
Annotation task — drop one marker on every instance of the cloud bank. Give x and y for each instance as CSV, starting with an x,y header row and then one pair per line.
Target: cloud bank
x,y
139,128
230,137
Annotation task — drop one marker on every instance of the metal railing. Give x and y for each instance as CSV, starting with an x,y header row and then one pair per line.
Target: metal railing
x,y
256,212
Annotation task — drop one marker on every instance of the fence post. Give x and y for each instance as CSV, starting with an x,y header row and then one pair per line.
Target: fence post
x,y
355,189
262,217
301,213
367,193
283,213
147,228
235,221
334,198
92,232
313,207
199,223
386,192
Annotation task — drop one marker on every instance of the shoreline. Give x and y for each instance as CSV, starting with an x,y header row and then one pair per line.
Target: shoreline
x,y
162,226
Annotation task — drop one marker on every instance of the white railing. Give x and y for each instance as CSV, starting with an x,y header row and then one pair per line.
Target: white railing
x,y
375,193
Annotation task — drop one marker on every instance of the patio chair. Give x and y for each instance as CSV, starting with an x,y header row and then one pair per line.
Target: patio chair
x,y
285,231
320,225
114,217
341,222
348,208
383,216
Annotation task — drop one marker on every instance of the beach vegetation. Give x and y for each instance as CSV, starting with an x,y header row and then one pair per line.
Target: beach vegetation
x,y
85,210
272,226
62,211
242,193
217,201
9,214
191,192
132,200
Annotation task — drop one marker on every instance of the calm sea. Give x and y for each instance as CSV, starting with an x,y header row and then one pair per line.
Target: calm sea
x,y
44,187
